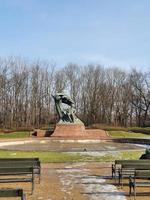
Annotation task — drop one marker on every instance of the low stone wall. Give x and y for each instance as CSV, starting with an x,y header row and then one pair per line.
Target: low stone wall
x,y
132,140
42,133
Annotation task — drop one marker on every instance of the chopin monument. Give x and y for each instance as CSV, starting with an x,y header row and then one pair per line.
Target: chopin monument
x,y
68,125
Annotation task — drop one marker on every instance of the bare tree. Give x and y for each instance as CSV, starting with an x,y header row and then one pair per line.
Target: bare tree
x,y
140,96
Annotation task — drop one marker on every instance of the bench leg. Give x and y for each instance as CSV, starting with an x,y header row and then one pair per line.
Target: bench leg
x,y
113,171
32,184
134,193
39,175
130,190
115,177
131,186
23,197
120,177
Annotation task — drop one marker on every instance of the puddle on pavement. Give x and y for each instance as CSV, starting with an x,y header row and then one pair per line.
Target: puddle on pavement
x,y
94,187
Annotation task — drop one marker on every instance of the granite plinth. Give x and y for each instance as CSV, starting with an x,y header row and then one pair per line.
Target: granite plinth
x,y
69,130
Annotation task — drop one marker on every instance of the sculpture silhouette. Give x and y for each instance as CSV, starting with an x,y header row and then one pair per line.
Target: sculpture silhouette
x,y
66,115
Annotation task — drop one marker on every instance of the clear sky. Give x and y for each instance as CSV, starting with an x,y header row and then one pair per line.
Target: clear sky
x,y
108,32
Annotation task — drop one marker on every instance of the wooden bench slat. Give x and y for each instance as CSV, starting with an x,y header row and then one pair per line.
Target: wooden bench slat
x,y
132,167
20,164
14,170
132,161
12,192
142,184
19,159
142,173
9,180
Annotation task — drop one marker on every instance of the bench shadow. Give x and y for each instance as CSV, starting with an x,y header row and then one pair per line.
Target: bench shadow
x,y
142,194
104,193
97,177
96,181
87,183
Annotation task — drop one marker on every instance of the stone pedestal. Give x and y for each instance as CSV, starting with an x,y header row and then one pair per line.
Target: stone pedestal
x,y
69,130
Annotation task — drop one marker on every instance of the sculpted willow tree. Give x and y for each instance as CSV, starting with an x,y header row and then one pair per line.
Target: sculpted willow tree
x,y
68,124
65,114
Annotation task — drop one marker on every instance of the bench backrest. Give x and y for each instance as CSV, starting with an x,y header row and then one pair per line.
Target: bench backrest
x,y
19,159
142,174
136,166
16,170
120,162
13,163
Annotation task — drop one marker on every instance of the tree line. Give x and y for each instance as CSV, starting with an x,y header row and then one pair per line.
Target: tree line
x,y
101,95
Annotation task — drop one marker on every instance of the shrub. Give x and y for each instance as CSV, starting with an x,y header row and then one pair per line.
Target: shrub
x,y
140,130
108,128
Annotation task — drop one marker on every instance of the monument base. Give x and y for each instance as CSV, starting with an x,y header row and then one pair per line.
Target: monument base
x,y
69,130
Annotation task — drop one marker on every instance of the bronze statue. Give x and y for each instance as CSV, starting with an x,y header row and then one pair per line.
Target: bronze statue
x,y
66,113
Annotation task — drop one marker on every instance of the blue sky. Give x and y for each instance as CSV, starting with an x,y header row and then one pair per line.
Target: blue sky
x,y
108,32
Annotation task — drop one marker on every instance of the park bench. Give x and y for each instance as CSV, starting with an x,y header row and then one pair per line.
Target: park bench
x,y
117,165
137,180
16,174
127,170
22,162
9,192
19,159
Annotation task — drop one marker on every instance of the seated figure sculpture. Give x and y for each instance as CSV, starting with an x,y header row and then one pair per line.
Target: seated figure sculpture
x,y
65,114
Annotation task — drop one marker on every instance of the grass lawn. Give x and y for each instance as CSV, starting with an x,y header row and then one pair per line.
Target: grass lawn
x,y
125,134
49,157
21,134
